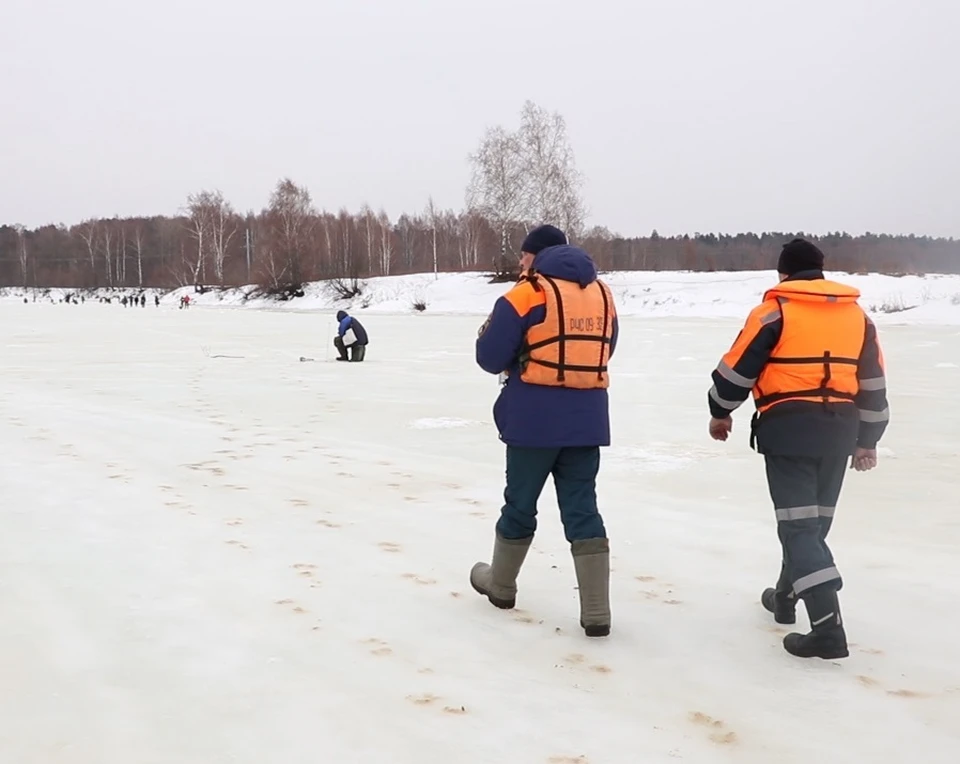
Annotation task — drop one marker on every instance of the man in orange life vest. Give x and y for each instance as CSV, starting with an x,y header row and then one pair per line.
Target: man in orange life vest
x,y
811,357
552,336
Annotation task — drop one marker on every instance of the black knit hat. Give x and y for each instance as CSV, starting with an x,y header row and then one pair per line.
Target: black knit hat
x,y
799,255
542,237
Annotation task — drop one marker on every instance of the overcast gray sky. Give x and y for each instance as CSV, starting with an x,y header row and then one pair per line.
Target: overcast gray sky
x,y
685,115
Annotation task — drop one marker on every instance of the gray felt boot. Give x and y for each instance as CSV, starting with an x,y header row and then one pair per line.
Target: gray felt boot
x,y
498,580
591,558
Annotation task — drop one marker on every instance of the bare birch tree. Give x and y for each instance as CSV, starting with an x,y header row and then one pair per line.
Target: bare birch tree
x,y
212,225
22,252
88,232
470,228
292,220
550,172
108,251
386,242
198,207
138,246
122,255
528,176
223,227
498,190
432,220
368,226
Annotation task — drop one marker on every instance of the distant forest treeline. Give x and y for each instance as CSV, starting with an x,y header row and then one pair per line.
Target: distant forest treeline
x,y
520,176
290,243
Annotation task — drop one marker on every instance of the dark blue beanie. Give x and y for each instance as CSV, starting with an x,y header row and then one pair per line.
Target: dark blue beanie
x,y
542,237
341,314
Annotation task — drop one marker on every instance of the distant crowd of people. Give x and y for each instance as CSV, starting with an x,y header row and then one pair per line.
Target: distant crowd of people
x,y
127,301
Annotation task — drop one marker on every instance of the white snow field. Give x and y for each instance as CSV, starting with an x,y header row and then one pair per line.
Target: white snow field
x,y
929,298
212,552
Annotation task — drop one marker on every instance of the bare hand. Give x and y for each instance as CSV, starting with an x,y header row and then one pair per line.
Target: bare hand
x,y
720,429
864,459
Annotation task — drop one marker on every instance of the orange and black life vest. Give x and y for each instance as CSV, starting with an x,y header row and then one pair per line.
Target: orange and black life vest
x,y
820,344
571,347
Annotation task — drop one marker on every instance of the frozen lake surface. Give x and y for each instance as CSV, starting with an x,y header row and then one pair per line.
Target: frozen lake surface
x,y
212,552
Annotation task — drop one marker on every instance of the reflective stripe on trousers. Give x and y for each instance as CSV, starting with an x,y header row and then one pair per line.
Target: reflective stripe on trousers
x,y
805,493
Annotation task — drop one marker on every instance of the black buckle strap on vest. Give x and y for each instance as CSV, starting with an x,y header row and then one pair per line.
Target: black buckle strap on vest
x,y
816,359
562,337
606,314
826,377
816,392
824,392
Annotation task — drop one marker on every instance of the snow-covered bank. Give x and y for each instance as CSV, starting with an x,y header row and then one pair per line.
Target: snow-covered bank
x,y
931,298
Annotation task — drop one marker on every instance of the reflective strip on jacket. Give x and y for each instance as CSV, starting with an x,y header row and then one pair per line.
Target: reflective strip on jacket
x,y
820,344
810,355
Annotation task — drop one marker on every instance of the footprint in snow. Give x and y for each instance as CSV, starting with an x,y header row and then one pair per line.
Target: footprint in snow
x,y
429,699
419,580
296,608
908,694
378,647
305,569
425,699
716,726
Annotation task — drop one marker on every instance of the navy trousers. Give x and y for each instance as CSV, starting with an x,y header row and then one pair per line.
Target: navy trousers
x,y
574,472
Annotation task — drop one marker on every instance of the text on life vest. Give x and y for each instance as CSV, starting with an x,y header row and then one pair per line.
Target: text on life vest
x,y
585,324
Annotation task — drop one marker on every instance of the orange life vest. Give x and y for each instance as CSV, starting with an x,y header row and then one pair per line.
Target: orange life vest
x,y
571,347
820,344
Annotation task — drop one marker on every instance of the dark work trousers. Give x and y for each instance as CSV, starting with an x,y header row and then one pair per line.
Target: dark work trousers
x,y
574,471
805,492
357,352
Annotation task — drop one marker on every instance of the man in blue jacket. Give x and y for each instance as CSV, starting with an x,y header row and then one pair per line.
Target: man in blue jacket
x,y
551,336
350,336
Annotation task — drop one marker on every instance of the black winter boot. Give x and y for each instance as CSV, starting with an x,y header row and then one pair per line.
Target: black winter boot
x,y
827,638
783,607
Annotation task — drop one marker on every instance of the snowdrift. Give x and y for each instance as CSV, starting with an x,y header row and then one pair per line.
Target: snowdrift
x,y
929,298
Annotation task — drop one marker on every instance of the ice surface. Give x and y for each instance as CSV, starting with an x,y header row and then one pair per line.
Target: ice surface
x,y
251,559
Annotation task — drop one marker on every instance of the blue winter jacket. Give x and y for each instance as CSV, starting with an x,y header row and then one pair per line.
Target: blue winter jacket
x,y
346,322
540,416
